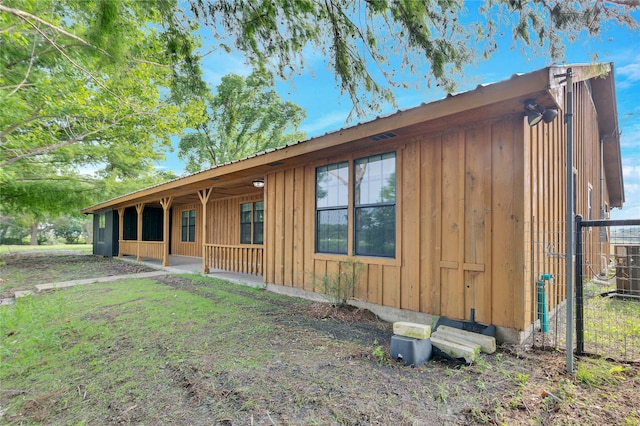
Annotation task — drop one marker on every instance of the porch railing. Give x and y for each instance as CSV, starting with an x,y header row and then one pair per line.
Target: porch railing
x,y
246,259
152,249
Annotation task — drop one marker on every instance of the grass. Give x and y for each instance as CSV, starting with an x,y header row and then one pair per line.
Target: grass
x,y
119,343
196,350
611,325
80,248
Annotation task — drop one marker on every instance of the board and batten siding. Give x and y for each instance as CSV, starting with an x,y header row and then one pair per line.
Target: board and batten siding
x,y
545,200
223,223
223,219
451,255
185,248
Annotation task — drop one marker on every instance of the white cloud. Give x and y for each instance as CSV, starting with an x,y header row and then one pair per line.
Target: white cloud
x,y
631,72
325,123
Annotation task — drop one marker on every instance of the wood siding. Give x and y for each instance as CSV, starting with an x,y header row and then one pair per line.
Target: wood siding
x,y
186,248
223,223
545,201
450,257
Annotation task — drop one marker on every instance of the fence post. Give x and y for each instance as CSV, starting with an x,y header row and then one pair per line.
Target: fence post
x,y
579,289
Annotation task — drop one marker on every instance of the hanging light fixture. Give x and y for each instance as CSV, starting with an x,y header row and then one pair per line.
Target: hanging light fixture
x,y
537,113
258,183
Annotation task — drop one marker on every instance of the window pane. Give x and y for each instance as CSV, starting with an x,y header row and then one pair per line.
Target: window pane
x,y
375,233
185,225
331,231
245,233
258,233
192,225
332,185
258,211
258,222
245,213
375,179
245,223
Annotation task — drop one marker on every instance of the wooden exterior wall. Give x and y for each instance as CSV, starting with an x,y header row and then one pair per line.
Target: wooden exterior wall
x,y
178,246
545,200
223,223
451,255
224,218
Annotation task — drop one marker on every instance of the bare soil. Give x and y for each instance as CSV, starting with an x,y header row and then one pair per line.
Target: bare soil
x,y
24,270
353,380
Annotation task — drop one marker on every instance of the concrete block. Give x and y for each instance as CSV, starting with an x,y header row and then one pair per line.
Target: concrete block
x,y
411,351
411,329
456,350
487,343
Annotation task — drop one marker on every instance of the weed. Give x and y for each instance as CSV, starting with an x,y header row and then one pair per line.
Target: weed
x,y
442,394
479,415
482,365
340,287
378,353
521,379
598,373
480,385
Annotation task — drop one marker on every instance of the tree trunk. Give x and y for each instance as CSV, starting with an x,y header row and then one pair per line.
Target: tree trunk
x,y
34,234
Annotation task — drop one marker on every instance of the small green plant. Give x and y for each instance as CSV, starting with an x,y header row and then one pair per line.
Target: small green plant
x,y
340,287
378,353
442,394
521,379
479,415
599,373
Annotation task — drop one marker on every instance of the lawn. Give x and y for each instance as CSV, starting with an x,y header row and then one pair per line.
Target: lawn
x,y
195,350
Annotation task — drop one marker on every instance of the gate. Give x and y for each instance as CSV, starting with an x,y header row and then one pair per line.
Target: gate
x,y
607,288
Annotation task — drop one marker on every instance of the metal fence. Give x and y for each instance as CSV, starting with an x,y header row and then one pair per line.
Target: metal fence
x,y
606,320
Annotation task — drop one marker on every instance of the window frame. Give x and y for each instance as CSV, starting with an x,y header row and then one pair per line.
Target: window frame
x,y
357,207
188,229
332,208
351,209
253,229
102,226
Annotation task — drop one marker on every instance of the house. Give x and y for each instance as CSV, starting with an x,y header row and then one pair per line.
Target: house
x,y
454,205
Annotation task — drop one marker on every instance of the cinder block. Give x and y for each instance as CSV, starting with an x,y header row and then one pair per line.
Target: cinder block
x,y
411,351
410,329
487,343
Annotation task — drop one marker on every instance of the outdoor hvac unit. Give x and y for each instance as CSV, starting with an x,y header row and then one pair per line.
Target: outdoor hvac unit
x,y
628,269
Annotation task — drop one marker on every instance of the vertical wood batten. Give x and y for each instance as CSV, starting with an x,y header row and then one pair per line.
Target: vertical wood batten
x,y
139,210
204,195
409,165
120,230
166,205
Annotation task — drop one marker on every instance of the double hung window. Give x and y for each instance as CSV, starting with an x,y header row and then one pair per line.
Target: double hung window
x,y
252,223
373,187
332,207
189,226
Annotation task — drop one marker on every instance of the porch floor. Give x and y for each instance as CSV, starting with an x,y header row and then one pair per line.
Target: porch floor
x,y
193,265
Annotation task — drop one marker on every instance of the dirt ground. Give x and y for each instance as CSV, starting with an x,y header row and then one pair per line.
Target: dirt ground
x,y
355,381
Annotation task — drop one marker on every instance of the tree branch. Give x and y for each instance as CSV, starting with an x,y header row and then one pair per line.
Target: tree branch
x,y
26,76
49,148
13,127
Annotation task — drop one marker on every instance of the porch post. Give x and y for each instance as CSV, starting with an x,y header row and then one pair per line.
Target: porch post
x,y
204,194
166,204
120,229
139,209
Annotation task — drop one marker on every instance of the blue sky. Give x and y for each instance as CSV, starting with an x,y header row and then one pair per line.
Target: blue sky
x,y
327,110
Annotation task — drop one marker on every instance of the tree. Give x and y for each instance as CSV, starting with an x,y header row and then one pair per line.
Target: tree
x,y
84,95
364,40
245,116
